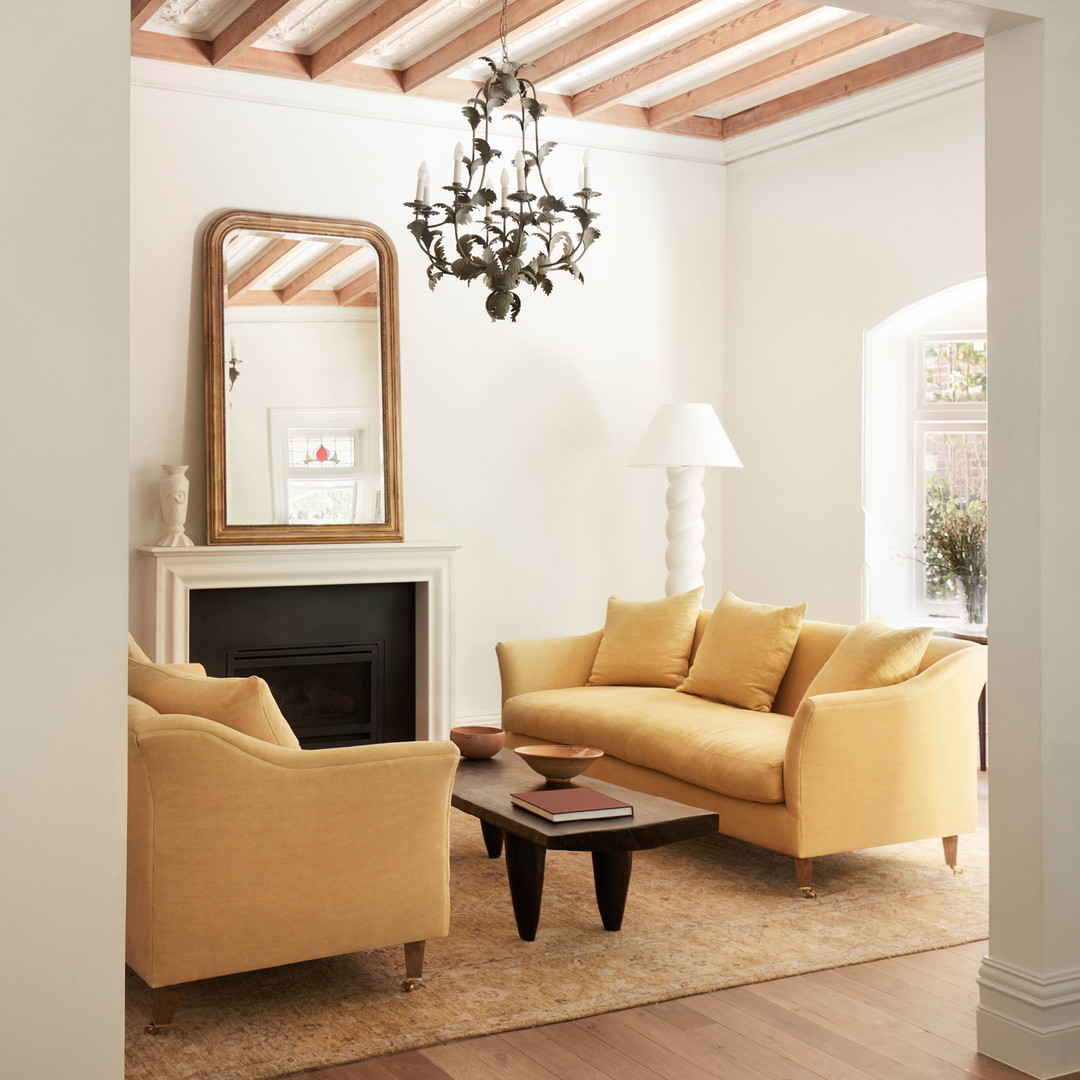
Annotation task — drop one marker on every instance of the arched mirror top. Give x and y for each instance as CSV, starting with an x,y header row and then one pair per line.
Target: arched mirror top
x,y
302,380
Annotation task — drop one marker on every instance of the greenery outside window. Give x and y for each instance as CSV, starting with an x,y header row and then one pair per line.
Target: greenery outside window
x,y
950,443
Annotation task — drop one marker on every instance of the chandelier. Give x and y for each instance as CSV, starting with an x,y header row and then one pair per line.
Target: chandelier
x,y
529,234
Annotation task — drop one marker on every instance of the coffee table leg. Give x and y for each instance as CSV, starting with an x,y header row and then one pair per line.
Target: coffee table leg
x,y
525,872
493,838
611,875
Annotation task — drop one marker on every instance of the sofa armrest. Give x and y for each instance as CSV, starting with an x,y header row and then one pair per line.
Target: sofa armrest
x,y
243,854
871,767
546,663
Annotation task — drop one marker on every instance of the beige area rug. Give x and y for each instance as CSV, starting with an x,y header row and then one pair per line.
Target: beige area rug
x,y
701,915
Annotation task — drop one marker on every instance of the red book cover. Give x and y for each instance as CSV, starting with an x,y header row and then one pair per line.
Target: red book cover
x,y
570,803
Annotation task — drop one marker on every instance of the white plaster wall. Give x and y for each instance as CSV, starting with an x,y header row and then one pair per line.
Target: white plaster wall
x,y
516,436
63,411
826,238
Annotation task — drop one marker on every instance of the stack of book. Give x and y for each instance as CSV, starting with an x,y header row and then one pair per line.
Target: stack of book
x,y
570,804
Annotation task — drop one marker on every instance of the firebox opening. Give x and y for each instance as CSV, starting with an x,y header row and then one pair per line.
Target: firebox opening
x,y
330,696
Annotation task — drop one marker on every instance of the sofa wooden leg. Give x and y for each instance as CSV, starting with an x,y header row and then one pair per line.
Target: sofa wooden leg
x,y
414,965
949,843
163,1002
804,877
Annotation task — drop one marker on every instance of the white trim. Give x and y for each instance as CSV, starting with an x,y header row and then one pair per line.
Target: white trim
x,y
962,77
485,719
169,575
403,109
957,79
1024,1016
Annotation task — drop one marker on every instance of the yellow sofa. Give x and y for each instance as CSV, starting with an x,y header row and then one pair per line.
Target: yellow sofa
x,y
246,852
831,773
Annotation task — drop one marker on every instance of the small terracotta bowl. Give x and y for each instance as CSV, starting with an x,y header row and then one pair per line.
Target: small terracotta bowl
x,y
475,741
558,762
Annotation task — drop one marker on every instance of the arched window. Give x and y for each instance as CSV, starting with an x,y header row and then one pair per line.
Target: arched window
x,y
924,444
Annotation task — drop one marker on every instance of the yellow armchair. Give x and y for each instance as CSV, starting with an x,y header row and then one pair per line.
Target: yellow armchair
x,y
243,854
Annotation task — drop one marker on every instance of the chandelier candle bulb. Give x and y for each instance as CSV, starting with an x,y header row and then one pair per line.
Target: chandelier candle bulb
x,y
459,156
504,183
421,182
519,165
586,164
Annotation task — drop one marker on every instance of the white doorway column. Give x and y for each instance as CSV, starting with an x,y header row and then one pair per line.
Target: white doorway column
x,y
1029,1015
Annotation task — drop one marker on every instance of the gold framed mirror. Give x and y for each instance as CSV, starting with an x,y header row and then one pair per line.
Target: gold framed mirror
x,y
303,414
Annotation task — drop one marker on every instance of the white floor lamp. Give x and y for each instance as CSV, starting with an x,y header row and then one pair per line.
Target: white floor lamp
x,y
686,440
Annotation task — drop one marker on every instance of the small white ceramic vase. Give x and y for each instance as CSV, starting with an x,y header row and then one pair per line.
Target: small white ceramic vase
x,y
173,492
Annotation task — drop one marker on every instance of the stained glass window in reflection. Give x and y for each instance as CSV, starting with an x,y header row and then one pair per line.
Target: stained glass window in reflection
x,y
322,451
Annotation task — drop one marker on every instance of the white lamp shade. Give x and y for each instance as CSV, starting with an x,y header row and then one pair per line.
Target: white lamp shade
x,y
685,434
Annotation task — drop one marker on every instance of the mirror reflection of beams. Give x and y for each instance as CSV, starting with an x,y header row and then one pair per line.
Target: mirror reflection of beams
x,y
303,424
264,269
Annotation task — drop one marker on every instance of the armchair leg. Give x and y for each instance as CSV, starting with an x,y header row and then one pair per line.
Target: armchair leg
x,y
949,843
804,877
164,1000
414,965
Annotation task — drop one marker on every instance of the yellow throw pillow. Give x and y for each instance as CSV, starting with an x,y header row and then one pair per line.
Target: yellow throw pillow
x,y
871,655
245,705
744,653
646,642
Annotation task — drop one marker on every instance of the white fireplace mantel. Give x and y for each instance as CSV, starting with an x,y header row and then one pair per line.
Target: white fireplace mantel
x,y
169,574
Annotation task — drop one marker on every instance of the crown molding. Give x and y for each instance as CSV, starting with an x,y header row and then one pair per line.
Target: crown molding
x,y
956,79
402,109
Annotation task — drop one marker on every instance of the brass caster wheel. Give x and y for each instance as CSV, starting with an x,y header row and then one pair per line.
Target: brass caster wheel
x,y
957,869
409,985
808,893
152,1029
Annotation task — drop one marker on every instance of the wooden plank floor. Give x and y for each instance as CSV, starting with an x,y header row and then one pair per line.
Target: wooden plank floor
x,y
906,1018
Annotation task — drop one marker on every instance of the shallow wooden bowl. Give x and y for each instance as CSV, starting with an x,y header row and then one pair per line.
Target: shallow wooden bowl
x,y
476,741
558,762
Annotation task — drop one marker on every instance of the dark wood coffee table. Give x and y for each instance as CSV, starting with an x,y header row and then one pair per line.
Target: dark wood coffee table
x,y
482,788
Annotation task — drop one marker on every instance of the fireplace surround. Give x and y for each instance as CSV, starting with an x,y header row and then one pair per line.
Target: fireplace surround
x,y
169,575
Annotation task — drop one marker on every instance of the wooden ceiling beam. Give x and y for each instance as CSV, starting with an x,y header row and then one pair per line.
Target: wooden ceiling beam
x,y
521,16
368,300
364,34
261,265
698,127
284,65
250,25
585,46
366,283
930,54
142,11
829,46
748,25
255,298
304,282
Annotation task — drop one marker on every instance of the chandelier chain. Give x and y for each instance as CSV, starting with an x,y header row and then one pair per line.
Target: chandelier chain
x,y
503,31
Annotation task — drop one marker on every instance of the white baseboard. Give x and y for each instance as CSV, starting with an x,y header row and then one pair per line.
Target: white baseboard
x,y
486,719
1030,1020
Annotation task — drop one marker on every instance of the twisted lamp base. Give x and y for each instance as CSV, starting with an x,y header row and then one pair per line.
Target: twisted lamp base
x,y
685,555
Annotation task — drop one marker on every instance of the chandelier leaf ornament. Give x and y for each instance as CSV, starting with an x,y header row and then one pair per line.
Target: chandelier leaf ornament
x,y
529,234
